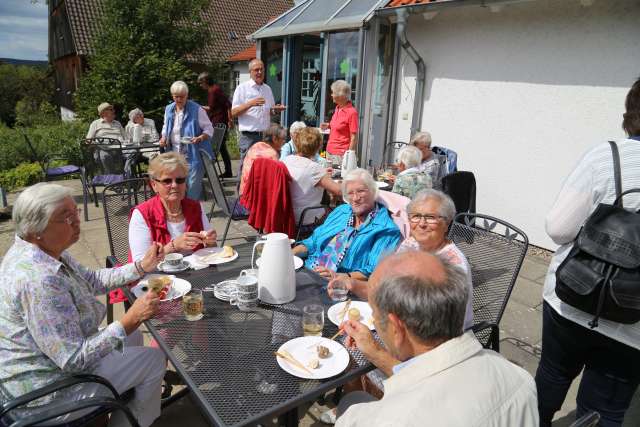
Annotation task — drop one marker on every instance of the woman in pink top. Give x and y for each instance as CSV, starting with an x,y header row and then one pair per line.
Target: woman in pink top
x,y
272,140
344,122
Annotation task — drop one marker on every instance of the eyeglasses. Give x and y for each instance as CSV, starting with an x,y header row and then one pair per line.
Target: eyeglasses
x,y
428,218
71,218
359,193
168,181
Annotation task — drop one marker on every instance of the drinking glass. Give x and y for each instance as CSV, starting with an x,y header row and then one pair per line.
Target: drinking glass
x,y
193,305
312,320
338,289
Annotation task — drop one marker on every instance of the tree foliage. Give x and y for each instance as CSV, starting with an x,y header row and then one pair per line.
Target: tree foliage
x,y
31,86
139,51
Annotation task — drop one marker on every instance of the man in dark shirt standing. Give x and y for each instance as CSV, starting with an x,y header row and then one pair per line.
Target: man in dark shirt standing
x,y
219,110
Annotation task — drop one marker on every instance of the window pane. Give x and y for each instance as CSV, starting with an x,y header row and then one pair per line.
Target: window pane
x,y
342,65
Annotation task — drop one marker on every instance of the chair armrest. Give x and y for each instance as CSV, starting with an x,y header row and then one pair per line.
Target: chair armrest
x,y
70,407
311,208
54,386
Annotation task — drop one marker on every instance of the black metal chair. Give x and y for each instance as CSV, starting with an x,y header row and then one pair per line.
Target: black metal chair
x,y
230,206
590,419
103,165
305,230
219,132
91,408
49,172
495,250
461,187
390,150
117,201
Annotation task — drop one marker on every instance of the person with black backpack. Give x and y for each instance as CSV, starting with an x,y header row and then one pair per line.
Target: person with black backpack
x,y
592,290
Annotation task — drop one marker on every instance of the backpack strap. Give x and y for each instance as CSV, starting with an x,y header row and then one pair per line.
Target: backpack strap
x,y
616,171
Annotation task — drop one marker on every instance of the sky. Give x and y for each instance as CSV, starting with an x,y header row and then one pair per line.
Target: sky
x,y
23,29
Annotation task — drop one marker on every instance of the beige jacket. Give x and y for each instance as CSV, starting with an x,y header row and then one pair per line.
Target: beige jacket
x,y
458,384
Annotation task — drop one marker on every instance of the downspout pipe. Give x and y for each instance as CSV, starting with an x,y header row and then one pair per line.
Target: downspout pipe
x,y
418,104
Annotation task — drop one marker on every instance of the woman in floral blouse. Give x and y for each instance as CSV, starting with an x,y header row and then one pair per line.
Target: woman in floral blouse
x,y
50,317
410,180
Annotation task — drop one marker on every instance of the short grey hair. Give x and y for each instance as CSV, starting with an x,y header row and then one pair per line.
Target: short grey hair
x,y
167,162
341,88
447,208
421,138
135,113
431,310
35,205
296,127
178,88
358,174
410,156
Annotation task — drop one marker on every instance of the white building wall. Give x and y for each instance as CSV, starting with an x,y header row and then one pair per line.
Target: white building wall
x,y
521,94
243,69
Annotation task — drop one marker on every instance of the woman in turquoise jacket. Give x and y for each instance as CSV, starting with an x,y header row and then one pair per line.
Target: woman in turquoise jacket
x,y
355,235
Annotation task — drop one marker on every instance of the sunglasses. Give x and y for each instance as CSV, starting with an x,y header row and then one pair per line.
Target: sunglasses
x,y
168,181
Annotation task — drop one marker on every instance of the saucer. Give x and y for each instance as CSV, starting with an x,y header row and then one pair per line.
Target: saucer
x,y
168,269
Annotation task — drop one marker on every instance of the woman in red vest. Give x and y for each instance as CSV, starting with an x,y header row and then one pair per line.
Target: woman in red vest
x,y
169,218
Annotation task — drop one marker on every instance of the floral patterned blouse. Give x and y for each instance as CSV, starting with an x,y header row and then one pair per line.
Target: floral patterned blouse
x,y
410,181
49,317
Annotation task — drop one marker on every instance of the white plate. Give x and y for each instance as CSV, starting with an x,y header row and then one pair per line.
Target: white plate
x,y
202,255
366,314
178,288
165,267
303,350
297,262
382,184
225,289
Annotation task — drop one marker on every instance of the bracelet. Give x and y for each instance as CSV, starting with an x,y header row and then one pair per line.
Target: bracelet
x,y
139,268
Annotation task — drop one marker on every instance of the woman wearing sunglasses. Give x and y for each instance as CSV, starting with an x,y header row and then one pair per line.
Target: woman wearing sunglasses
x,y
169,218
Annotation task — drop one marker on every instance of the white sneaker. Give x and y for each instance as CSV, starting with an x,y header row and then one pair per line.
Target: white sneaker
x,y
328,417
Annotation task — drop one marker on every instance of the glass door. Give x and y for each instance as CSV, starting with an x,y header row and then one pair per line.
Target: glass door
x,y
342,64
306,80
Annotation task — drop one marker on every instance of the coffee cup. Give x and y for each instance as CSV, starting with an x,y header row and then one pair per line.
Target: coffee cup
x,y
247,283
173,260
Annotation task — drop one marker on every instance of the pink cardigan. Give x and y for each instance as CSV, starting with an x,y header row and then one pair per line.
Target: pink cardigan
x,y
397,206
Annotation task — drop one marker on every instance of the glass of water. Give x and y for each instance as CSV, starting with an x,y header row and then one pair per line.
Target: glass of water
x,y
338,288
312,320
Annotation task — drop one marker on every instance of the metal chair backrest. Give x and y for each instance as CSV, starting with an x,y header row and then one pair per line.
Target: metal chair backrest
x,y
32,150
102,156
219,130
118,200
587,420
495,250
461,187
214,182
390,150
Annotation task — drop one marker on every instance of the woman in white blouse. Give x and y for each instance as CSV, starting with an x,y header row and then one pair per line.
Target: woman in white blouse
x,y
169,218
310,179
608,355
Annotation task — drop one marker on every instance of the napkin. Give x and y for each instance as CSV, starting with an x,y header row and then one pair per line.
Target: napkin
x,y
194,263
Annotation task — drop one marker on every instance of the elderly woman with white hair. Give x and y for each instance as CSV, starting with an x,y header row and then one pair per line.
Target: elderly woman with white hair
x,y
355,235
430,214
50,319
140,129
187,129
289,147
430,162
410,179
343,126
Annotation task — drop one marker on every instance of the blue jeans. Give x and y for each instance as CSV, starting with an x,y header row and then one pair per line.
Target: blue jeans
x,y
611,370
194,182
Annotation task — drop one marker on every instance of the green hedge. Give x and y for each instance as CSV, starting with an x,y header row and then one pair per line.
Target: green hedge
x,y
18,165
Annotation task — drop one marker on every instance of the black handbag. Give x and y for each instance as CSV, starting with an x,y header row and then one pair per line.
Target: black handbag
x,y
601,273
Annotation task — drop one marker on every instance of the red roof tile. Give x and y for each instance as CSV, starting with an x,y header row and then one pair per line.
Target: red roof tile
x,y
229,22
246,55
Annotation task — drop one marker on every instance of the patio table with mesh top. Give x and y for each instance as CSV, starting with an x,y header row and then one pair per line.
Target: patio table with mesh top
x,y
227,358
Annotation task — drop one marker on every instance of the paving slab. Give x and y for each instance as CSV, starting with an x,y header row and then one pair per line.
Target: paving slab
x,y
527,292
